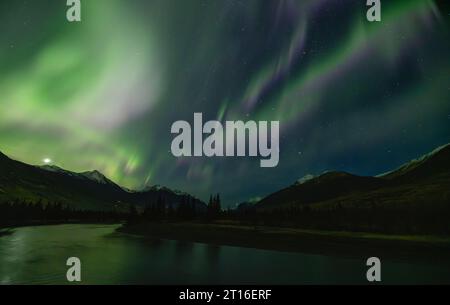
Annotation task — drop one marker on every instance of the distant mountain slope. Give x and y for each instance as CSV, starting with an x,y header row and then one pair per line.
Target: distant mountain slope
x,y
324,187
56,169
423,183
432,164
88,190
94,175
97,177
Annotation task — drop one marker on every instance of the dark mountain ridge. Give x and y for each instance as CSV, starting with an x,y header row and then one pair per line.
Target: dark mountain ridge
x,y
87,190
432,164
423,182
324,187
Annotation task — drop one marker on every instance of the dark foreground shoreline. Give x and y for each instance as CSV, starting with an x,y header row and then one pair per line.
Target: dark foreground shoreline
x,y
9,229
349,244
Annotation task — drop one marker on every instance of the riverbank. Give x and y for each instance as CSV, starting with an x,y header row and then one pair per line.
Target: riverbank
x,y
8,229
297,240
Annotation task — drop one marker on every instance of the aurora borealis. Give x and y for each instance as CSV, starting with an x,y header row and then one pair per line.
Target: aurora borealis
x,y
102,94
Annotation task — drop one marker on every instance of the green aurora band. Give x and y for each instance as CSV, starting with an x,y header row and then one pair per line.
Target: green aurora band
x,y
102,94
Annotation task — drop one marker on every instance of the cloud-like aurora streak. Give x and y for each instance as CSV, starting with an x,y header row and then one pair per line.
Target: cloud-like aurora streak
x,y
365,45
86,83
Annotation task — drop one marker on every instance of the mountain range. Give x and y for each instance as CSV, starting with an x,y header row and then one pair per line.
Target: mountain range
x,y
86,191
421,184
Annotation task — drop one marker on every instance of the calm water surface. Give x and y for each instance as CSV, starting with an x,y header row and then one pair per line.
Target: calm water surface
x,y
37,255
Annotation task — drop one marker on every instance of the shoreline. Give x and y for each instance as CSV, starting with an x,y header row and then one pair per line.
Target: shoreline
x,y
329,243
349,244
10,228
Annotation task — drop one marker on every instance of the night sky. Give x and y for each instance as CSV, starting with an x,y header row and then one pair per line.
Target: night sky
x,y
102,94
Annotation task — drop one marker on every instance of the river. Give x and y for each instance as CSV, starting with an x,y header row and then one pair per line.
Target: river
x,y
37,255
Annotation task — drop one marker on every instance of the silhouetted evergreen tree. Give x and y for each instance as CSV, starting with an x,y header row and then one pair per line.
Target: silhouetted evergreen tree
x,y
214,208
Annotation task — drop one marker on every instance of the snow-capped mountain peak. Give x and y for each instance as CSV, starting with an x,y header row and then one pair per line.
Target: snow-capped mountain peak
x,y
57,169
96,176
305,179
414,163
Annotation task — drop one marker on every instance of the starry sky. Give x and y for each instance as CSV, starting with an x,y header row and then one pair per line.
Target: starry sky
x,y
103,93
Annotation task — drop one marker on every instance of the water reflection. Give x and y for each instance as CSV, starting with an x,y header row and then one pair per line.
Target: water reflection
x,y
38,255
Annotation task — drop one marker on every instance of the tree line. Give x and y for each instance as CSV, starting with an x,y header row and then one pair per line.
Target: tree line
x,y
371,219
17,213
186,210
22,212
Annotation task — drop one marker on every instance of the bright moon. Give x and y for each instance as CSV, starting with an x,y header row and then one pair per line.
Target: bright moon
x,y
47,161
